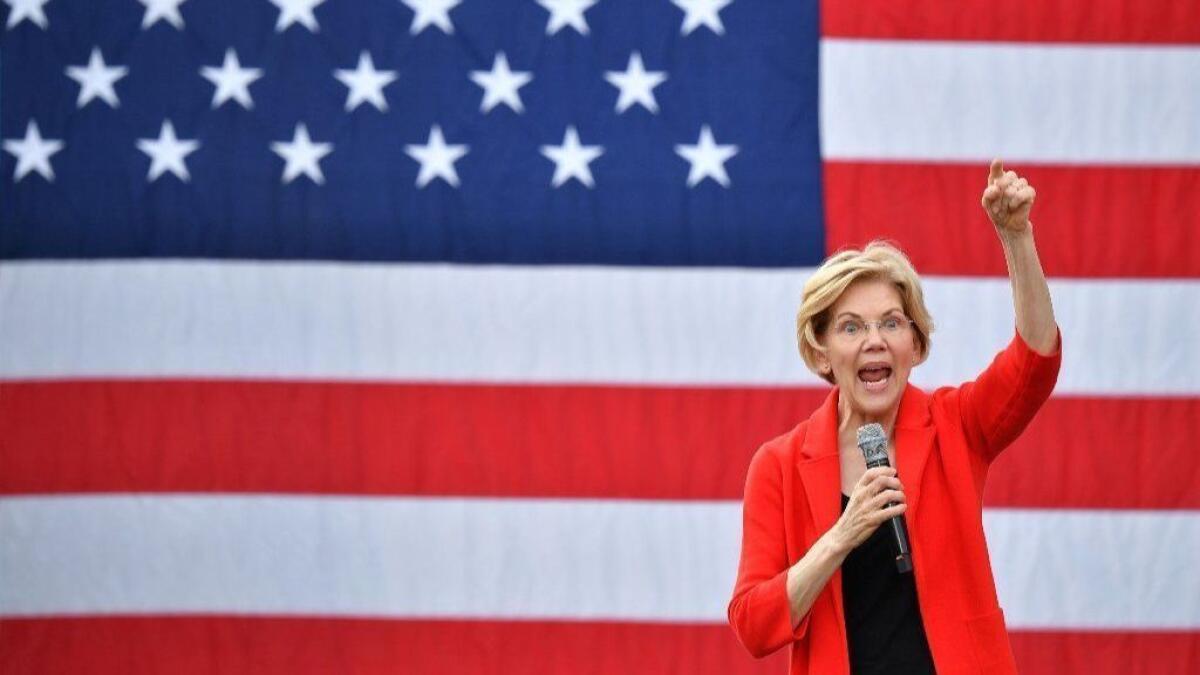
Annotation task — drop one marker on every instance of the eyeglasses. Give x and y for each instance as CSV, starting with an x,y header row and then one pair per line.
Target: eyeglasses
x,y
853,330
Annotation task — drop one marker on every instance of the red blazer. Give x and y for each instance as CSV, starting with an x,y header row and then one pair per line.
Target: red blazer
x,y
945,442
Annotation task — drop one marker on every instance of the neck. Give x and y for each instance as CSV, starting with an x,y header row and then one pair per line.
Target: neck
x,y
849,420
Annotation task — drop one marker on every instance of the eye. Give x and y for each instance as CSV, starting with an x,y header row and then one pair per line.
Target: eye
x,y
850,327
891,324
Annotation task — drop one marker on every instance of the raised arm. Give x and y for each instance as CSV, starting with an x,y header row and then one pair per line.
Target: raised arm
x,y
1008,199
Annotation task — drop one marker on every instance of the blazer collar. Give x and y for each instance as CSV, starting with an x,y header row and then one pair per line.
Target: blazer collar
x,y
822,435
820,467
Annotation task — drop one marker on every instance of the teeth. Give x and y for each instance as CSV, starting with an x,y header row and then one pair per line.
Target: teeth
x,y
877,386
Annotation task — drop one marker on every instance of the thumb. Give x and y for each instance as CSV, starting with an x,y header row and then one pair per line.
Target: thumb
x,y
996,172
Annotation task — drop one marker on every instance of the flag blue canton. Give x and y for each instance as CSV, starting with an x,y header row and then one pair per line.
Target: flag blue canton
x,y
635,199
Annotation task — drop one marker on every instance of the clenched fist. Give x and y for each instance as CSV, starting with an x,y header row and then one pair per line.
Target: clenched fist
x,y
1008,199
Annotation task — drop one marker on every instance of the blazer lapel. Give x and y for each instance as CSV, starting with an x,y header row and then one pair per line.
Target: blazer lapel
x,y
914,435
819,467
820,471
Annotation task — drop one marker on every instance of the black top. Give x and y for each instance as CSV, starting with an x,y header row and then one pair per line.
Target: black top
x,y
883,619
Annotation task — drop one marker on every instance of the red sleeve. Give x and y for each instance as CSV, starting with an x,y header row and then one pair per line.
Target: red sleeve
x,y
759,611
998,405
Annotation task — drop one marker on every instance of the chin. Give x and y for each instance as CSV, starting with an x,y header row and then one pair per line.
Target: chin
x,y
875,407
876,403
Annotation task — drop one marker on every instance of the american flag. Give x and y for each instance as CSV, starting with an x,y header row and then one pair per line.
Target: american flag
x,y
436,335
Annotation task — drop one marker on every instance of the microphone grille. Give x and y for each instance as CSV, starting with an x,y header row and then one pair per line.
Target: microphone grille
x,y
872,441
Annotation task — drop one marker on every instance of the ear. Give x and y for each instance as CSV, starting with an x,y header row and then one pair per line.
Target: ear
x,y
918,358
820,358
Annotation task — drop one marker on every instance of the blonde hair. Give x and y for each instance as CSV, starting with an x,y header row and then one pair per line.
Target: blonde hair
x,y
879,260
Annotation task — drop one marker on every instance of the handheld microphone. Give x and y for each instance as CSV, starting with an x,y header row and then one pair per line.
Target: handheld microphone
x,y
873,443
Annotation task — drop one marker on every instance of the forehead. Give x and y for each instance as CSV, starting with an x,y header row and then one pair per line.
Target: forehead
x,y
868,297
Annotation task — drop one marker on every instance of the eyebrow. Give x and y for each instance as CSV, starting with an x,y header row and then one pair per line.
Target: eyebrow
x,y
896,310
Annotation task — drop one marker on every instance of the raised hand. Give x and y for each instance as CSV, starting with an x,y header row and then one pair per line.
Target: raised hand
x,y
1008,199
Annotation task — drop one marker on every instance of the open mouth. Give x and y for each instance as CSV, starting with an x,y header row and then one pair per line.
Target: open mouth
x,y
875,378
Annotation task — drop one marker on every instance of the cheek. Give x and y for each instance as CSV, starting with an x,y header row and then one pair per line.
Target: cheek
x,y
841,362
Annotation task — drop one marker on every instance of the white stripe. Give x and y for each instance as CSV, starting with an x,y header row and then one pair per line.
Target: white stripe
x,y
918,100
525,558
538,324
1096,569
362,556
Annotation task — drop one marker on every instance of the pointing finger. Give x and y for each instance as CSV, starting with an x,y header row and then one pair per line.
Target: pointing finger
x,y
996,170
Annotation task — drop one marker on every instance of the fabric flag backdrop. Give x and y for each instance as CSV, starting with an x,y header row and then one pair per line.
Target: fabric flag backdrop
x,y
436,335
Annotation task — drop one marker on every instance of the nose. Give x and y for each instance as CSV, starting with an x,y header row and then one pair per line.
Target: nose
x,y
874,336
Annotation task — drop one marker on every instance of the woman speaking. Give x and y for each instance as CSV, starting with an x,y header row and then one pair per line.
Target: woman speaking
x,y
819,566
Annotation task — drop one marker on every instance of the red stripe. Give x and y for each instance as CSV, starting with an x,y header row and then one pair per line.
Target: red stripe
x,y
1120,21
295,646
1107,653
386,439
1090,221
1101,453
524,441
279,646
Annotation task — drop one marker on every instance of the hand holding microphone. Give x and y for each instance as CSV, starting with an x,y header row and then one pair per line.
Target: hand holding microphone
x,y
876,498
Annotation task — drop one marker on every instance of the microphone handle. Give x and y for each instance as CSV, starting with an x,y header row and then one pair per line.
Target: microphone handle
x,y
899,531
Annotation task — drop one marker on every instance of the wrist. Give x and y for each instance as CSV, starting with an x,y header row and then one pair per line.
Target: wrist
x,y
834,546
1012,239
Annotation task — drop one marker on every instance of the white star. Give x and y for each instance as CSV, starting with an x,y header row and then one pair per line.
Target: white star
x,y
292,11
437,159
162,9
97,80
366,83
167,153
571,159
707,12
707,158
567,13
431,13
231,80
33,153
500,85
302,156
27,9
636,85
